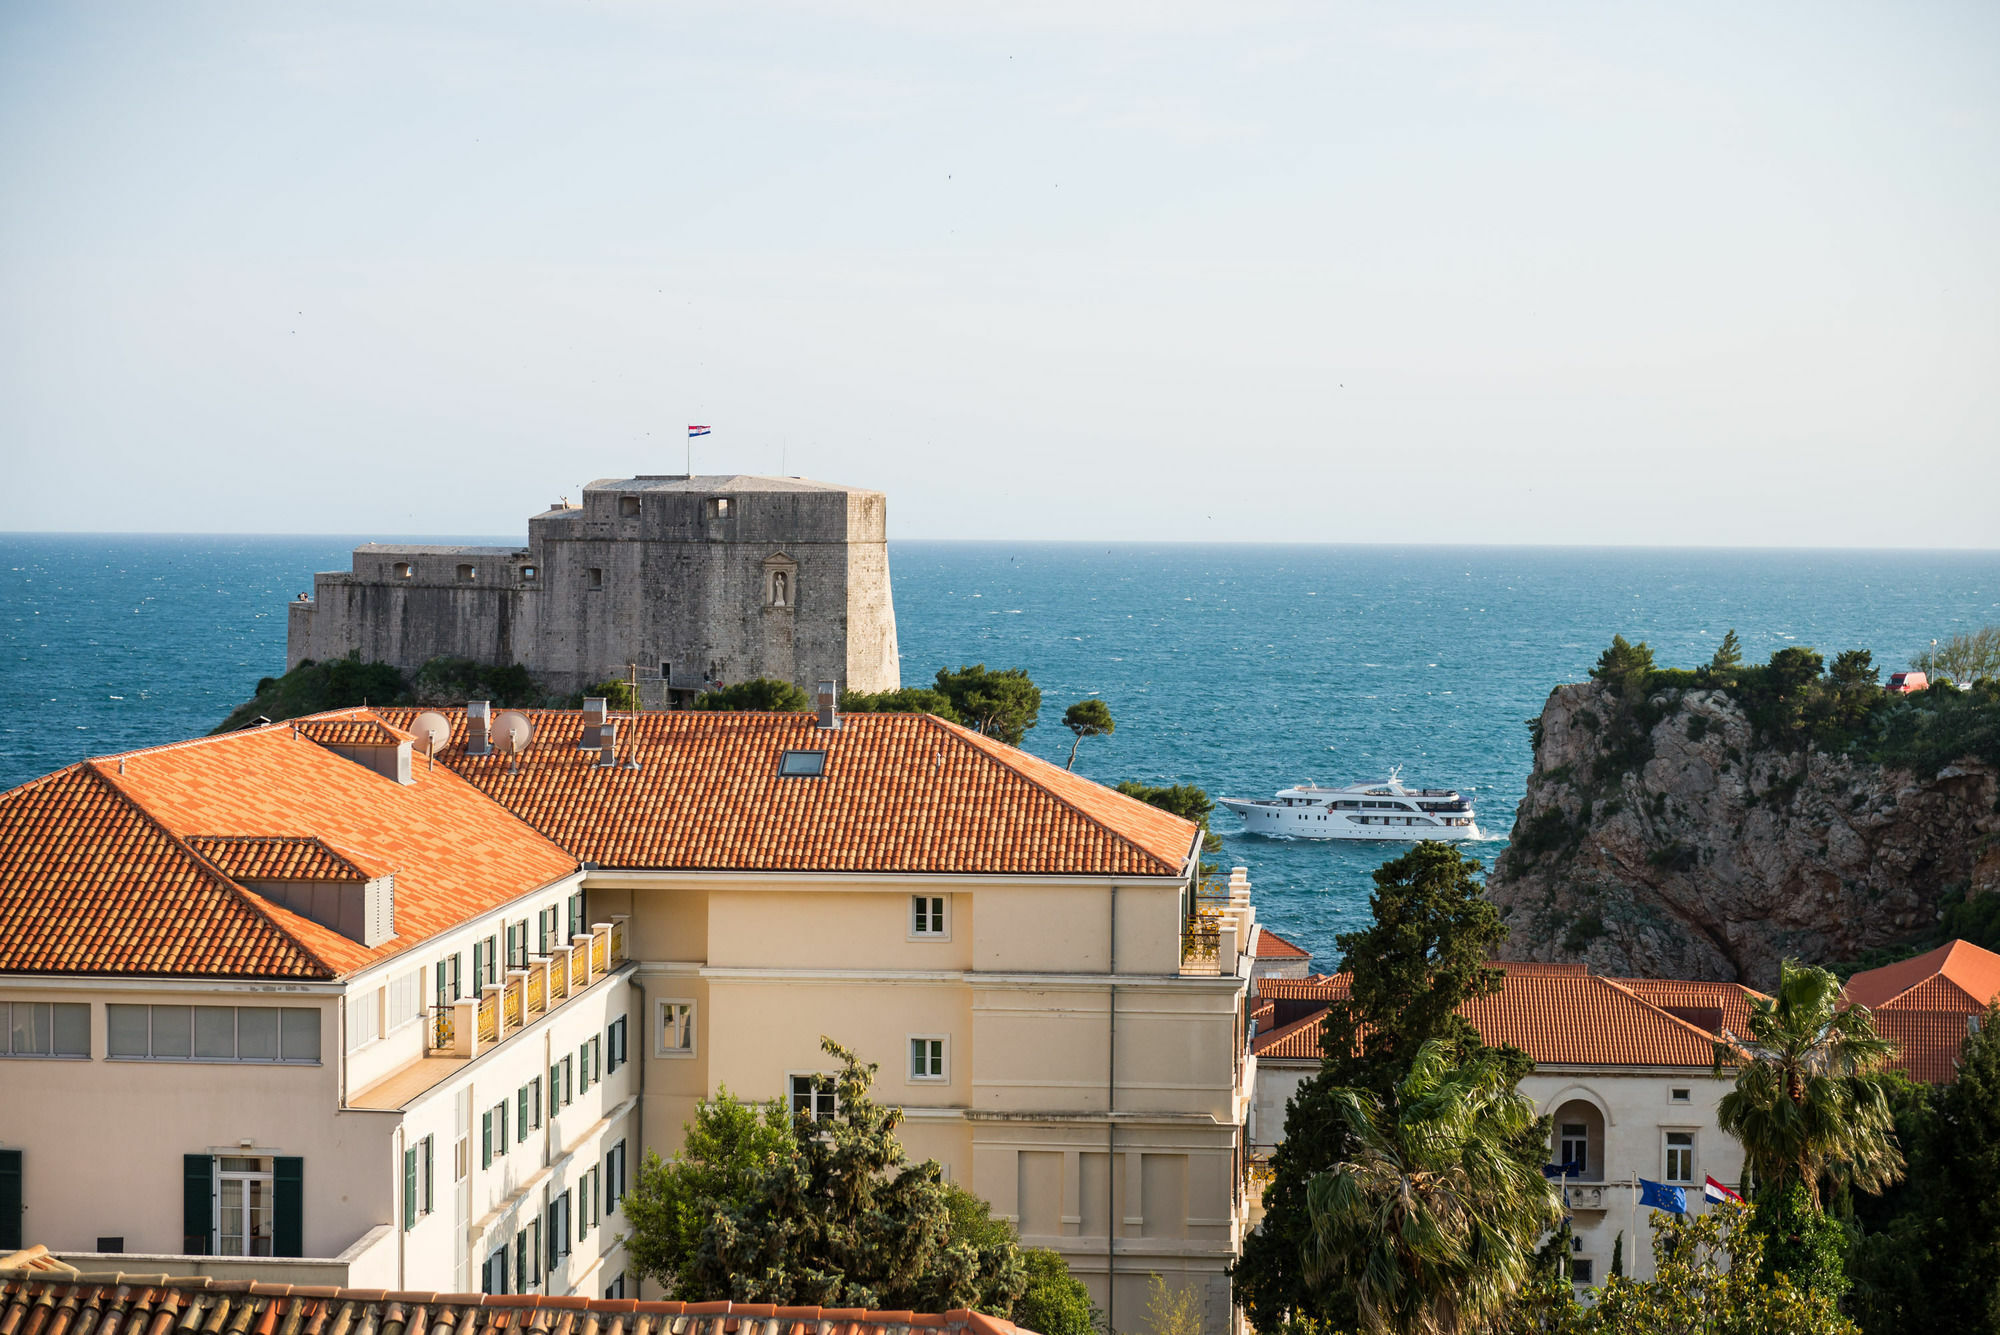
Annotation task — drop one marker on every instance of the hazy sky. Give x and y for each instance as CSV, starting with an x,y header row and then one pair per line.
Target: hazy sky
x,y
1600,273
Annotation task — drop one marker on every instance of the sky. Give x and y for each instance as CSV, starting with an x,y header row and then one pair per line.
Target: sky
x,y
1692,274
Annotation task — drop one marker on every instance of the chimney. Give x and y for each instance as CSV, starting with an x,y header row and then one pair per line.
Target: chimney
x,y
478,728
607,752
828,702
595,713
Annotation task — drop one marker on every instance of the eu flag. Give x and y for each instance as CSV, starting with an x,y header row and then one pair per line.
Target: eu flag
x,y
1662,1197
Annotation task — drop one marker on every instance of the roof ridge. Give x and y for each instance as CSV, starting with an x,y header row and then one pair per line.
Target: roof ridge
x,y
243,896
980,742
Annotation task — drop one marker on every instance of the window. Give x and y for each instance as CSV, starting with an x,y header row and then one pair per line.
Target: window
x,y
467,573
927,915
807,1101
517,944
527,574
588,1060
577,923
1575,1147
493,1134
243,1205
481,952
364,1019
493,1275
406,999
427,1180
1581,1270
558,1230
521,1114
614,1045
616,1288
628,507
45,1029
1679,1096
597,1058
593,578
409,1188
583,1207
802,764
486,1139
217,1033
677,1029
401,569
596,1206
1680,1156
718,507
534,1092
568,1082
521,1258
111,1244
445,977
533,1273
614,1176
545,930
927,1058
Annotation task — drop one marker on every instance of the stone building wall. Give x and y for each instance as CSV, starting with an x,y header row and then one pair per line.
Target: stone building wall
x,y
696,581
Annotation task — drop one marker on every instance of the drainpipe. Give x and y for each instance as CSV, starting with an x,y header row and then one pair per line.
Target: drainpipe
x,y
1111,1211
396,1210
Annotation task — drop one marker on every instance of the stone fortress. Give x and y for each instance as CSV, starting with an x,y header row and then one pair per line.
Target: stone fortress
x,y
695,582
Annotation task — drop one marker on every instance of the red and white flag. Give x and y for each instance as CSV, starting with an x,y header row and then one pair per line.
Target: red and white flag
x,y
694,431
1714,1191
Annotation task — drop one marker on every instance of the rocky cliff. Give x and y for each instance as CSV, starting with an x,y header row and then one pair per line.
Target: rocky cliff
x,y
1661,839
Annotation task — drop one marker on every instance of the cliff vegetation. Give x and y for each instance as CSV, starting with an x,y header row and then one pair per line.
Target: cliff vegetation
x,y
1708,822
344,682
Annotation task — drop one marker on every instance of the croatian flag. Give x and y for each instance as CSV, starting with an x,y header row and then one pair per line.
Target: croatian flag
x,y
1662,1197
1715,1193
694,431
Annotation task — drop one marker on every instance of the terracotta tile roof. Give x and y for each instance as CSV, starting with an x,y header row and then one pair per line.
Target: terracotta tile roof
x,y
900,793
1271,946
115,1303
370,731
1927,1042
1707,1006
243,858
1319,987
1970,978
1560,1016
98,874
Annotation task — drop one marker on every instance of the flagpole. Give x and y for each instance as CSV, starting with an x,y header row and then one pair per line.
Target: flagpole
x,y
1632,1226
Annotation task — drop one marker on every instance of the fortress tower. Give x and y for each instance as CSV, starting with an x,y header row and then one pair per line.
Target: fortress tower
x,y
698,581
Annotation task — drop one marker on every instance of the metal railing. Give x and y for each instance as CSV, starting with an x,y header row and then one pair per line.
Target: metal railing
x,y
489,1018
538,989
511,1003
1201,943
444,1029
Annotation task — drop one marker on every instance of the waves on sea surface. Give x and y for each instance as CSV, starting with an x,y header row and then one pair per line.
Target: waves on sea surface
x,y
1241,669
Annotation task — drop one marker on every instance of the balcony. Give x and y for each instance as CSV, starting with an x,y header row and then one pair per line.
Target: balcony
x,y
1218,935
461,1030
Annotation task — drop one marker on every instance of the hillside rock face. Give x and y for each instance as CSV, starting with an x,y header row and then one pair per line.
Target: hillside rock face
x,y
1685,850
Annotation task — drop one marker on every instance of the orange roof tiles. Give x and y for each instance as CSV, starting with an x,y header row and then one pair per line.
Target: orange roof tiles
x,y
41,1302
1271,946
243,858
369,731
1297,1040
1927,1041
1970,978
123,865
900,793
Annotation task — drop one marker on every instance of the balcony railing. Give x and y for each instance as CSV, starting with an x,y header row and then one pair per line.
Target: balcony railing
x,y
444,1027
489,1018
538,988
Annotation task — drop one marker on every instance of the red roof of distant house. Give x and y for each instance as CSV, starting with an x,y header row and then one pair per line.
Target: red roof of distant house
x,y
1957,975
899,793
1271,946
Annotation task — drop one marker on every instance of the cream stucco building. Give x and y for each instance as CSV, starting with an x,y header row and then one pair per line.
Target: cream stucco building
x,y
499,980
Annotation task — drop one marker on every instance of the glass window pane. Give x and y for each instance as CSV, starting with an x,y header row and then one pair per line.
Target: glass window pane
x,y
257,1033
125,1030
301,1034
72,1029
260,1216
215,1032
232,1216
31,1028
173,1029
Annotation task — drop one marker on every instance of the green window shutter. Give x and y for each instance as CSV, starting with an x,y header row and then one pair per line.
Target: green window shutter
x,y
197,1204
288,1207
409,1188
430,1200
486,1139
10,1201
521,1114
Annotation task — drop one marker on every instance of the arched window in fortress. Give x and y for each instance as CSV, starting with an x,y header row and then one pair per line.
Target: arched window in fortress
x,y
401,570
467,573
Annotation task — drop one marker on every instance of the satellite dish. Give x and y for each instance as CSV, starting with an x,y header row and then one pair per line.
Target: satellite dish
x,y
511,734
431,732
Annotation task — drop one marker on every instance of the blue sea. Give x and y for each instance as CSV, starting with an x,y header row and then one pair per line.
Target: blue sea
x,y
1242,669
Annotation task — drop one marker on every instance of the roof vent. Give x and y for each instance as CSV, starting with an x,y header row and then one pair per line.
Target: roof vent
x,y
607,749
827,700
478,728
596,713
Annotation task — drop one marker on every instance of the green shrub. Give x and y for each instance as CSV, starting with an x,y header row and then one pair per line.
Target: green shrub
x,y
1055,1301
763,695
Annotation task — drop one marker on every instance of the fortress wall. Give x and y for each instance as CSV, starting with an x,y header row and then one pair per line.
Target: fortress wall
x,y
871,652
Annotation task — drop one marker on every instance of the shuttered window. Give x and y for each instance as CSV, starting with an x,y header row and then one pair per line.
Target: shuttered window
x,y
409,1188
406,999
10,1201
288,1199
197,1204
486,1139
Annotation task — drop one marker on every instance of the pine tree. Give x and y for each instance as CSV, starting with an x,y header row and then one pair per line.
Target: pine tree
x,y
1728,656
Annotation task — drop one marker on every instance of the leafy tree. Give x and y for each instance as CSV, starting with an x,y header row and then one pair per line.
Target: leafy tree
x,y
1728,657
1086,718
1423,955
312,687
905,700
1430,1222
1811,1102
1794,668
1172,1309
1854,669
1708,1277
1054,1302
1002,705
1965,657
1935,1264
1625,666
616,693
763,695
834,1215
1800,1242
1189,803
453,681
728,1151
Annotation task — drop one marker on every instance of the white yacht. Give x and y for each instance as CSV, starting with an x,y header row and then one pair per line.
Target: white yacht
x,y
1382,811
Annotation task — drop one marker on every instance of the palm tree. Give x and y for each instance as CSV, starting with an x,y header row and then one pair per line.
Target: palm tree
x,y
1811,1102
1429,1224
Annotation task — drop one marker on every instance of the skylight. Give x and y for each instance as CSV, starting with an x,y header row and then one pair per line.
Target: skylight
x,y
802,764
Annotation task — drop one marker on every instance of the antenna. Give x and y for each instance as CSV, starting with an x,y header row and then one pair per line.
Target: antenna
x,y
511,733
431,733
